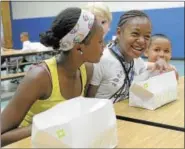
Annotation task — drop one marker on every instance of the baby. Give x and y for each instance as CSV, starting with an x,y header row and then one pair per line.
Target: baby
x,y
161,48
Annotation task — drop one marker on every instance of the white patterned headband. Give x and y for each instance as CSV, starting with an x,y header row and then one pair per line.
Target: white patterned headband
x,y
79,31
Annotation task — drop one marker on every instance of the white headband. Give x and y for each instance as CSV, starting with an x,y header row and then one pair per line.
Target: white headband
x,y
79,31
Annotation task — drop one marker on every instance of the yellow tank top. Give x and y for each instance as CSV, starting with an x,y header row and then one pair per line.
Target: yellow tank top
x,y
56,97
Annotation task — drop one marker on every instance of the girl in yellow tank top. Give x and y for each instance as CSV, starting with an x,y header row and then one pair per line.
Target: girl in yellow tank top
x,y
77,38
56,97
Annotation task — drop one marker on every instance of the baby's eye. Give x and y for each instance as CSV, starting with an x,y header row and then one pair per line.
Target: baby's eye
x,y
103,22
166,51
156,50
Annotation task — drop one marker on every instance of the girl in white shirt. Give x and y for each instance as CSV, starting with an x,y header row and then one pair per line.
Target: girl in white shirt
x,y
121,60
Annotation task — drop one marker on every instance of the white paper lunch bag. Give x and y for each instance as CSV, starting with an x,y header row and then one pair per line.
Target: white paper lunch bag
x,y
77,123
154,92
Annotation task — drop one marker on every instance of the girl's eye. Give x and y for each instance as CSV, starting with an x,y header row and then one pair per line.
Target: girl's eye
x,y
147,37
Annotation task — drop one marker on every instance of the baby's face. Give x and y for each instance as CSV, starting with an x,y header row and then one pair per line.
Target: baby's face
x,y
159,48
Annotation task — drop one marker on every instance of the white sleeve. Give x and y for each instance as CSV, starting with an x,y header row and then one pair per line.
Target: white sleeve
x,y
140,66
98,73
26,46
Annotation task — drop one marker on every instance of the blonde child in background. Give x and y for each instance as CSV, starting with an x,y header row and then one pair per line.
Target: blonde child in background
x,y
160,48
102,13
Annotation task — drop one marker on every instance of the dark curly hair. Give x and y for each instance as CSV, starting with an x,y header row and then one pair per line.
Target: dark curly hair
x,y
63,24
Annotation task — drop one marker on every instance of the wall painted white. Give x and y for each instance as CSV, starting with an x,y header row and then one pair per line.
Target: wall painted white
x,y
23,10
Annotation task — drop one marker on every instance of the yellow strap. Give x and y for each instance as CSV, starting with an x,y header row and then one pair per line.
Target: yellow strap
x,y
52,65
83,76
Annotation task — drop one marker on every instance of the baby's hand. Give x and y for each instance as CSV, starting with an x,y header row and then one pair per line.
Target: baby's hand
x,y
160,65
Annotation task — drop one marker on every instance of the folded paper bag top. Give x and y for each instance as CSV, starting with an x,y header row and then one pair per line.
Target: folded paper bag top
x,y
154,92
77,123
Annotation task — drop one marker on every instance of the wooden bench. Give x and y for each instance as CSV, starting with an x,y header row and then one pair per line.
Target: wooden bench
x,y
12,76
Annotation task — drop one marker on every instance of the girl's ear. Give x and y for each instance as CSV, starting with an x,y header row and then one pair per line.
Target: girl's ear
x,y
118,32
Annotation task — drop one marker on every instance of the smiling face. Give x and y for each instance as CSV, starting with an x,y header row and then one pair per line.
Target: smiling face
x,y
134,37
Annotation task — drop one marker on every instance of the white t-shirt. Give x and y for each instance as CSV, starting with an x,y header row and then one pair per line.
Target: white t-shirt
x,y
109,75
26,45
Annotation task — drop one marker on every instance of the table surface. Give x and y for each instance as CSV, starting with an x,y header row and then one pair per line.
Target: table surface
x,y
134,135
170,114
13,53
